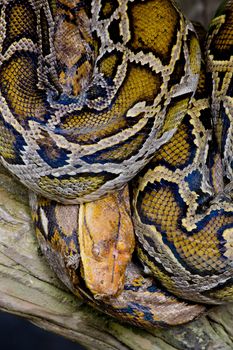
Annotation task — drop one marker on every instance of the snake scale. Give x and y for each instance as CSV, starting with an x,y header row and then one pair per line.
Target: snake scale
x,y
95,95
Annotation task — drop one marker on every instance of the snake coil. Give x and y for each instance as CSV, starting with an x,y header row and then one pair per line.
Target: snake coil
x,y
97,94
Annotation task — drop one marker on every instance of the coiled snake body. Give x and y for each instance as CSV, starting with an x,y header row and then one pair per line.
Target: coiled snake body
x,y
95,93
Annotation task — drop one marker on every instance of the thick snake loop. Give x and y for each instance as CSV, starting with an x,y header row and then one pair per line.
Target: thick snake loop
x,y
184,227
183,214
97,94
76,148
220,64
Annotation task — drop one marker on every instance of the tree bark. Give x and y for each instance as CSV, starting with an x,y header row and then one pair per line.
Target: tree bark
x,y
30,289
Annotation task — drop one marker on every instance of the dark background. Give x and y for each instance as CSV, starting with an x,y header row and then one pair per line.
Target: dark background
x,y
17,333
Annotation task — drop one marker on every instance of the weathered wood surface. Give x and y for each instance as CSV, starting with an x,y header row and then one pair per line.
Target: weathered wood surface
x,y
28,288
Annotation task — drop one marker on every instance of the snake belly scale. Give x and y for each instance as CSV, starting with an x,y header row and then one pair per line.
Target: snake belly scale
x,y
98,94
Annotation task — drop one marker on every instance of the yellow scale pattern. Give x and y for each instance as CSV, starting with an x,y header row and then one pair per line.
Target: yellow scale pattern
x,y
81,130
177,153
48,87
147,32
18,79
